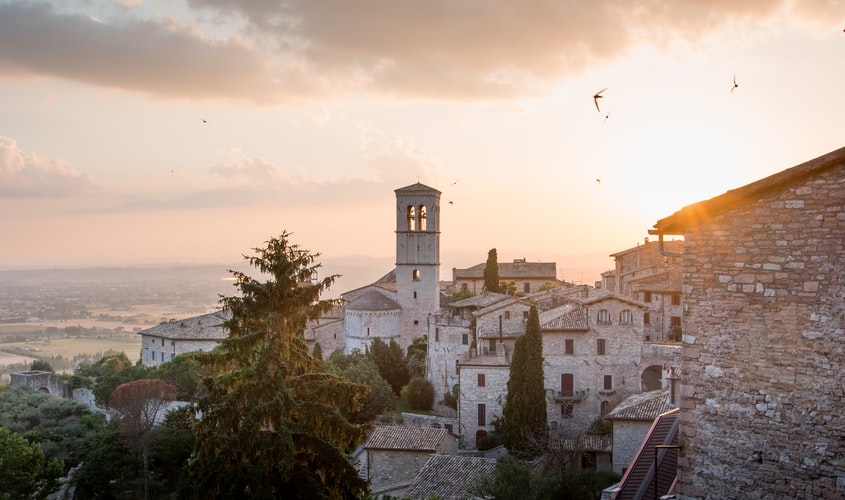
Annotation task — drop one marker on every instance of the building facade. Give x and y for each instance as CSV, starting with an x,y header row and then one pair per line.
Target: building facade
x,y
762,367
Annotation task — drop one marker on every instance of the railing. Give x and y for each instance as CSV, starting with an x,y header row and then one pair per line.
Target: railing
x,y
573,396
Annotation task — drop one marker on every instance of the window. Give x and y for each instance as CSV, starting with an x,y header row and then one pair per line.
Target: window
x,y
437,334
482,414
482,380
411,217
608,382
603,317
162,342
524,314
415,295
492,347
527,288
601,346
647,318
507,315
415,275
676,299
626,317
646,297
163,358
416,322
465,339
464,286
422,221
566,384
566,410
604,407
153,355
368,331
569,346
146,353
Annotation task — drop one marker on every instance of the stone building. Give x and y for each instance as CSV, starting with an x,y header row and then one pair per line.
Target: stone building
x,y
593,349
762,367
449,477
650,276
166,340
631,420
526,277
395,455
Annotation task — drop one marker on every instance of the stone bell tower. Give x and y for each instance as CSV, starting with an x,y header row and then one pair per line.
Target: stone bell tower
x,y
417,258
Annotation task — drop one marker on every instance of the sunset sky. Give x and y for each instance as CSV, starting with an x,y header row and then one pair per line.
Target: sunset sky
x,y
191,131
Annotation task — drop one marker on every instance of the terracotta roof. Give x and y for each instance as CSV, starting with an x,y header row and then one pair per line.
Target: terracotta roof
x,y
510,270
480,301
418,187
372,301
392,437
589,443
450,477
569,316
677,222
204,327
644,406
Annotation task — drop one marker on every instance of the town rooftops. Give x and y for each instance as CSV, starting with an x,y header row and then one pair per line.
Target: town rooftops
x,y
571,316
644,406
677,222
372,301
518,269
450,477
204,327
392,437
587,443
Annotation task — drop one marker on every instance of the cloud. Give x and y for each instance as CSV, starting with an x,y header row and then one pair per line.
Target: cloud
x,y
27,175
439,49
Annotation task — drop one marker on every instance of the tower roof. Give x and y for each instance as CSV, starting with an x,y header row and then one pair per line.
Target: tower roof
x,y
417,188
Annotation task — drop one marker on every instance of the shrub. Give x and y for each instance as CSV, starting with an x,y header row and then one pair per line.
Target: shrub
x,y
420,394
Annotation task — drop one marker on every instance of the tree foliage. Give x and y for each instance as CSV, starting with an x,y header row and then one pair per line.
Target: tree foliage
x,y
419,393
524,411
491,272
58,425
272,423
24,471
416,355
391,363
106,374
41,365
361,369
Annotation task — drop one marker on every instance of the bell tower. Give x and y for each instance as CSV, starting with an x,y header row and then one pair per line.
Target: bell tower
x,y
417,258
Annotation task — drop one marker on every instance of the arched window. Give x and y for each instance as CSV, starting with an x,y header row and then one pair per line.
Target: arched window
x,y
415,275
411,215
421,221
626,317
603,317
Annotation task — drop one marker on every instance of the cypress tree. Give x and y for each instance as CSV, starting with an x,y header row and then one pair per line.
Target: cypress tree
x,y
525,407
491,272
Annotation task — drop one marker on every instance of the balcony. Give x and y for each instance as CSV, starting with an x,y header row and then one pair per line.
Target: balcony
x,y
571,396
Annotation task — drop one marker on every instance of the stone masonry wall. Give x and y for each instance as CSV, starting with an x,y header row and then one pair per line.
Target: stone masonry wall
x,y
763,360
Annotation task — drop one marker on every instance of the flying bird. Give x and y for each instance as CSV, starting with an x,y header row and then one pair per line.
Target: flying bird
x,y
598,181
203,120
596,98
451,202
735,85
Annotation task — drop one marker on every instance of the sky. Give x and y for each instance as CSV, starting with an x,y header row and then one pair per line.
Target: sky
x,y
192,131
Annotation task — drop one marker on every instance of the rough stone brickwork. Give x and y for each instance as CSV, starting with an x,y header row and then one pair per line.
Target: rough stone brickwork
x,y
763,363
48,382
496,371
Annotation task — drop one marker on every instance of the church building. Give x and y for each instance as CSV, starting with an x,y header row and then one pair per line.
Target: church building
x,y
398,305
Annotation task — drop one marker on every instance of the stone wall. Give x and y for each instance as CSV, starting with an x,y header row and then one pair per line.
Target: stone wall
x,y
41,381
764,346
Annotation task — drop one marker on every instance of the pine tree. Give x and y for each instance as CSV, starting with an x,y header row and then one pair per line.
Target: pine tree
x,y
272,422
491,272
525,407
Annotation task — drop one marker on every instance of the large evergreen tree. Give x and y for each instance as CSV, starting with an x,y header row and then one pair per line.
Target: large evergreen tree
x,y
525,407
491,272
272,422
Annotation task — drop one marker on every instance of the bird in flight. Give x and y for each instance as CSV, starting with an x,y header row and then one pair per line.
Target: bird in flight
x,y
596,98
598,181
451,202
735,85
203,120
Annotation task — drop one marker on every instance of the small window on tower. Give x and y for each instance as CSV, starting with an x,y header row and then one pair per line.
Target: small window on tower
x,y
411,218
422,225
415,275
